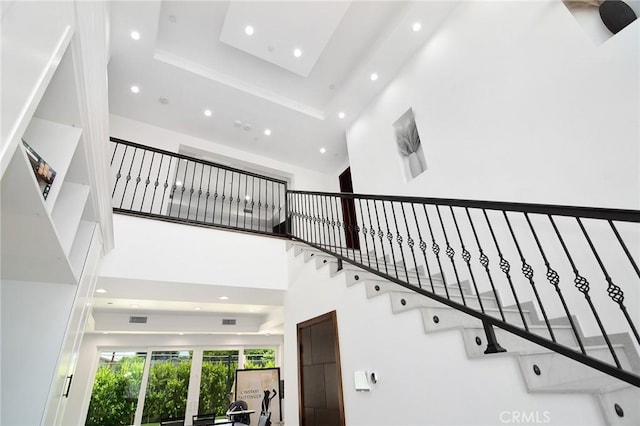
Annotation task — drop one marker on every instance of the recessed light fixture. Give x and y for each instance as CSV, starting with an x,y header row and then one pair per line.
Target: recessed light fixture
x,y
207,112
323,150
178,183
246,197
341,115
197,309
135,35
374,77
135,89
163,100
239,334
105,332
248,30
180,334
267,132
101,290
297,52
133,305
416,26
223,298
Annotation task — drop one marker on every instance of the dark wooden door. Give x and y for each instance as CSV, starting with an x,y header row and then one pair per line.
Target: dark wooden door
x,y
349,211
320,380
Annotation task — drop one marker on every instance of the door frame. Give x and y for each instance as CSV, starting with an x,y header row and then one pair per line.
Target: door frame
x,y
324,317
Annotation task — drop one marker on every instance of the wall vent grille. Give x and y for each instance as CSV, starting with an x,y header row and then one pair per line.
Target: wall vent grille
x,y
227,321
137,320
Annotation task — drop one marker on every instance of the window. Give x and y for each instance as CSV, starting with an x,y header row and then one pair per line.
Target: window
x,y
115,389
166,395
216,381
259,358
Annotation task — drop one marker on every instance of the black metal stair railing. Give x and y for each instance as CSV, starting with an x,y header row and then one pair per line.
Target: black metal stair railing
x,y
566,278
154,183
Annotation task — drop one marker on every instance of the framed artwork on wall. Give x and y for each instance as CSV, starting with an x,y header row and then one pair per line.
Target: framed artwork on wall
x,y
260,389
409,145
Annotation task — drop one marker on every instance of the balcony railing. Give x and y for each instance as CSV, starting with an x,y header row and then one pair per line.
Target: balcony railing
x,y
163,185
565,278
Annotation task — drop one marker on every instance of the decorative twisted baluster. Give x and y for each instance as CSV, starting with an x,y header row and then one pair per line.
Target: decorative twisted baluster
x,y
554,280
505,267
147,180
436,250
400,240
192,190
138,179
484,261
119,173
128,177
156,183
466,256
166,185
423,247
364,234
450,253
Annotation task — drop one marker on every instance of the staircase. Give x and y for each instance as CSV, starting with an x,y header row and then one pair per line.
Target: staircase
x,y
543,370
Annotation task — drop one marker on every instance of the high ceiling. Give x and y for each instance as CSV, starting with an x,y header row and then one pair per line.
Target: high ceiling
x,y
193,56
197,56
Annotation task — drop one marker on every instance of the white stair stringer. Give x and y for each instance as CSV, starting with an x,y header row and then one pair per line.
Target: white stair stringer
x,y
555,373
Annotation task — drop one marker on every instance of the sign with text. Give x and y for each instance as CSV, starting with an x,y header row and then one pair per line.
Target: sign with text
x,y
260,389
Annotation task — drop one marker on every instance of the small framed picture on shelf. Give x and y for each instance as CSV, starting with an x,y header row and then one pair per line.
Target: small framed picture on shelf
x,y
45,174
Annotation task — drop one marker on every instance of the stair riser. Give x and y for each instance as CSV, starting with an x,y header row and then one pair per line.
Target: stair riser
x,y
627,399
414,301
440,310
377,288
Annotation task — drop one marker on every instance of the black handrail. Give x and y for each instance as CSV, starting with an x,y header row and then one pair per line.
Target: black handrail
x,y
574,249
427,245
158,184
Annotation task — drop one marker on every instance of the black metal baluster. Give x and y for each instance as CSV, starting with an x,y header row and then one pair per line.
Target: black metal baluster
x,y
215,196
337,221
320,221
282,230
156,183
166,185
314,220
330,222
364,233
484,261
238,200
348,224
554,280
381,236
436,250
450,253
373,235
582,284
191,191
466,256
115,148
410,243
231,198
207,195
138,180
624,247
148,180
253,188
615,293
128,177
390,238
400,240
184,184
244,210
505,268
119,174
527,271
259,202
223,196
273,207
200,191
423,248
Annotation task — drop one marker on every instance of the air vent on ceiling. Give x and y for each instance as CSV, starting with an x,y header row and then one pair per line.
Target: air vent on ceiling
x,y
137,320
226,321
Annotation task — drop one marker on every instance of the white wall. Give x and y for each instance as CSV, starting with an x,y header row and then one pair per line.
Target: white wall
x,y
34,320
155,250
93,344
514,102
146,134
423,379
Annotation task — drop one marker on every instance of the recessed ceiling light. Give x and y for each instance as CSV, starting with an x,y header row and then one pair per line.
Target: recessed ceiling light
x,y
416,26
163,100
341,115
178,183
135,35
374,77
101,290
207,112
239,334
135,89
133,305
248,30
223,298
247,197
181,334
197,309
267,132
297,53
323,150
105,332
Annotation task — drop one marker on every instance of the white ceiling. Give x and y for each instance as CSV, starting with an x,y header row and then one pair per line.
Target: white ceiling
x,y
197,55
